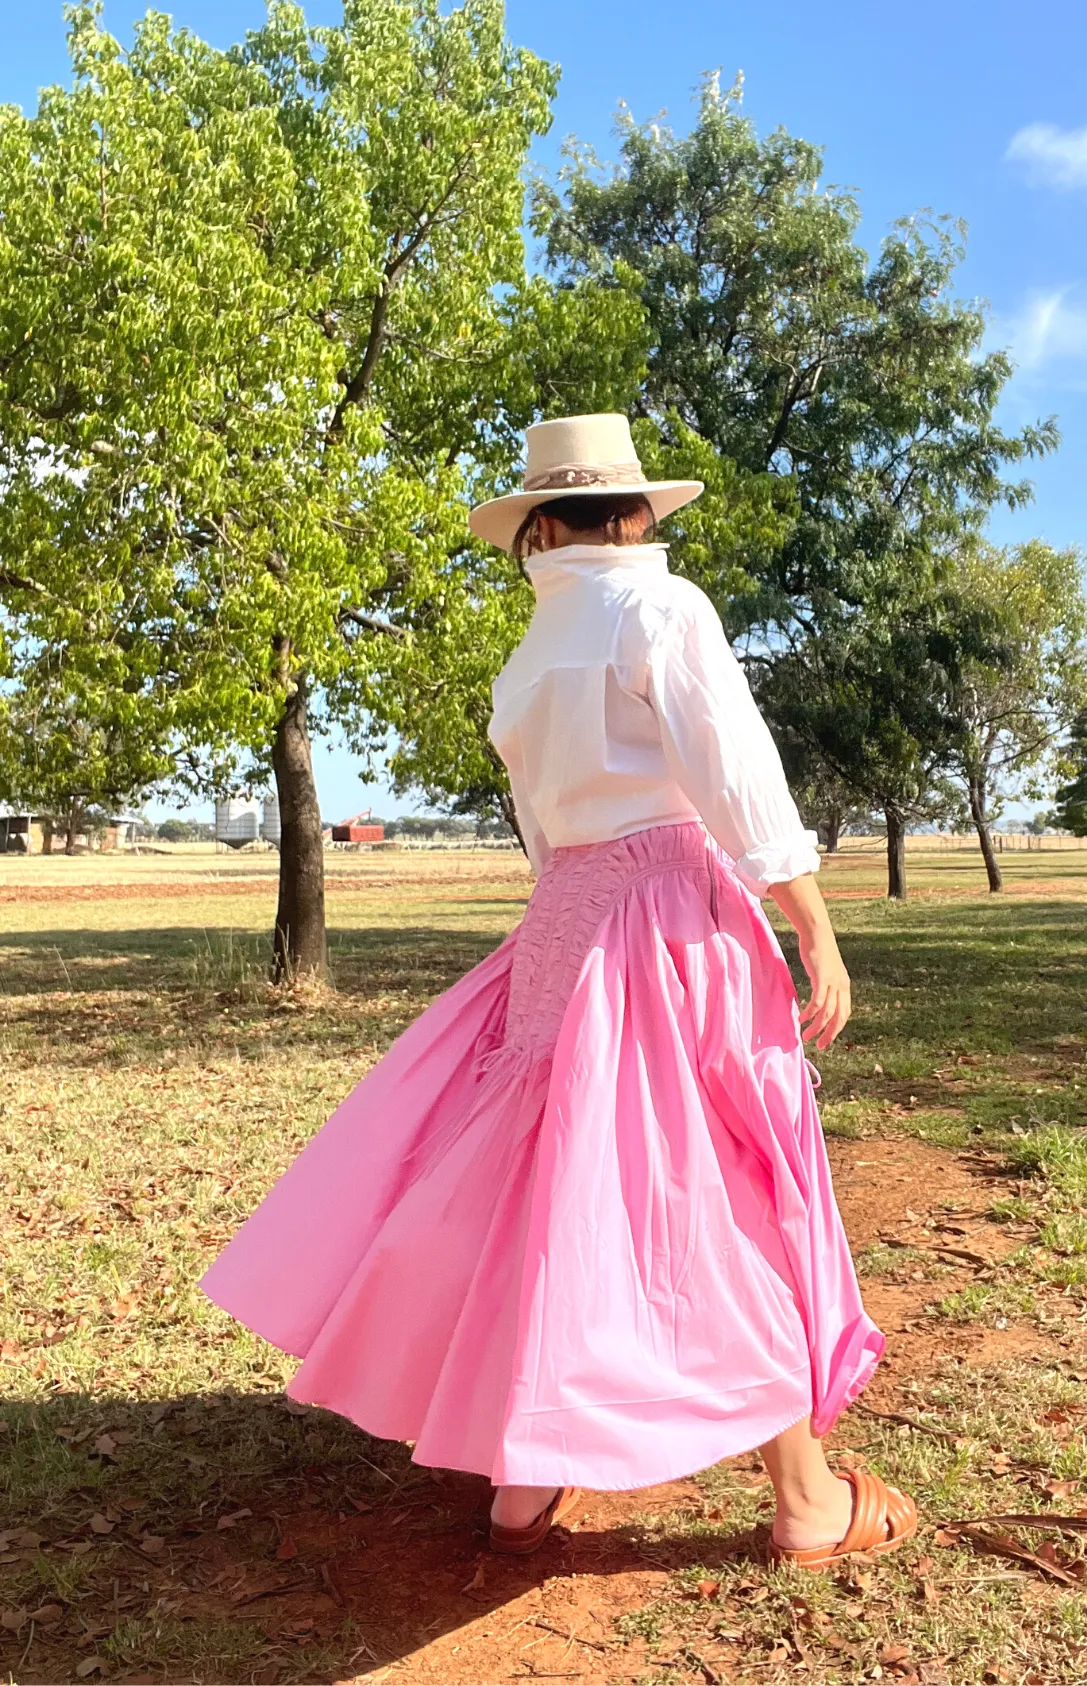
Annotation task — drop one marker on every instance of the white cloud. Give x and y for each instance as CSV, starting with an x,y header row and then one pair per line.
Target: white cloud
x,y
1052,327
1055,156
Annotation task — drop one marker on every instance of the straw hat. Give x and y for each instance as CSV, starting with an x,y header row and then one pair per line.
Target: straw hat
x,y
577,456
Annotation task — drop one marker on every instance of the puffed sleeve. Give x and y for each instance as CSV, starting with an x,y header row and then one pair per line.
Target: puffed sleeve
x,y
539,850
720,750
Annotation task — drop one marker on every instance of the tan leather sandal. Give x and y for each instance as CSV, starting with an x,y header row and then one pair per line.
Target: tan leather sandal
x,y
518,1542
883,1518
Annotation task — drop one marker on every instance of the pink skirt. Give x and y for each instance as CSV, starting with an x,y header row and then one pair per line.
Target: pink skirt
x,y
577,1226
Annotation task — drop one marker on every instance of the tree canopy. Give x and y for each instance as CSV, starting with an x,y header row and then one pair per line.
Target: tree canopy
x,y
861,387
1022,673
258,312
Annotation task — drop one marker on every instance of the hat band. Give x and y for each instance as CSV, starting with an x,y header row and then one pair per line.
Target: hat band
x,y
586,474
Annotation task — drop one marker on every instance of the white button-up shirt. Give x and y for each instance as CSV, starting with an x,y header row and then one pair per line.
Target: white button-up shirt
x,y
623,707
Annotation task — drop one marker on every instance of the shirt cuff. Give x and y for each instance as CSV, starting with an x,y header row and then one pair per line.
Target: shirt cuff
x,y
778,861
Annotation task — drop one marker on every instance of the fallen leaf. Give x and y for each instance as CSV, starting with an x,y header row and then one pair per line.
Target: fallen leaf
x,y
27,1539
708,1589
286,1549
152,1544
90,1665
231,1519
946,1537
99,1524
47,1614
12,1619
105,1446
1060,1489
893,1653
476,1581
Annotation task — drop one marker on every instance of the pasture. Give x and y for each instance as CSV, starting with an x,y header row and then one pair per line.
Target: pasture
x,y
167,1516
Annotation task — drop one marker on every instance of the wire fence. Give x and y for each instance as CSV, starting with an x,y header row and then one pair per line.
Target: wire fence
x,y
1005,842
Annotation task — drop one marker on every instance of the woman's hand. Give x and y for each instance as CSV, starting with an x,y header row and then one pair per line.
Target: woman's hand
x,y
828,1008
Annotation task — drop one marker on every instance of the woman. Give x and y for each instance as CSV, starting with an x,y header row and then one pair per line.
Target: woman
x,y
576,1229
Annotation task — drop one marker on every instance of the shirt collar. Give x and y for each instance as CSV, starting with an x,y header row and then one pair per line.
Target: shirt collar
x,y
549,567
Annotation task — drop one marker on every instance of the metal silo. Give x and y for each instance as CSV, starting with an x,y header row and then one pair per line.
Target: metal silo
x,y
270,828
237,821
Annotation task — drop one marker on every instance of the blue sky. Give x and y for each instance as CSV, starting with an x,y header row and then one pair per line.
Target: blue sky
x,y
977,108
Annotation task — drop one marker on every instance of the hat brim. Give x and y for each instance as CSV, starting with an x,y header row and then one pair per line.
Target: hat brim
x,y
497,521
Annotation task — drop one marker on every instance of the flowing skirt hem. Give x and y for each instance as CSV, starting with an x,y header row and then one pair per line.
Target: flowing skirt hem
x,y
745,1434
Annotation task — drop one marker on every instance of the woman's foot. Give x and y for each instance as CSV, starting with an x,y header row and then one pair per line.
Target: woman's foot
x,y
517,1507
822,1519
521,1538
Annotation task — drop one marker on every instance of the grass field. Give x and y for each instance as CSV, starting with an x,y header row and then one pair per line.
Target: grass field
x,y
167,1516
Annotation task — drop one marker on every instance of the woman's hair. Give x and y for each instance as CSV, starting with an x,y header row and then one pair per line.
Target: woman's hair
x,y
624,517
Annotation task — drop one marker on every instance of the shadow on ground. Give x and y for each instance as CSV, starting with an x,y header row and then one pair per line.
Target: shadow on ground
x,y
218,1538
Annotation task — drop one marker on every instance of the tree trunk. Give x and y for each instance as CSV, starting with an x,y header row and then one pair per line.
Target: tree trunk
x,y
985,836
505,799
301,944
896,855
832,826
47,837
71,828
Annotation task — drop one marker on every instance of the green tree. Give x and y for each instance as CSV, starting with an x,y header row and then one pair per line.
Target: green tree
x,y
868,699
1070,808
257,313
176,831
826,802
863,385
73,748
1022,675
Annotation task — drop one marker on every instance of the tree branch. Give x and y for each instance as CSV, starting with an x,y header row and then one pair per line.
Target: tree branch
x,y
372,623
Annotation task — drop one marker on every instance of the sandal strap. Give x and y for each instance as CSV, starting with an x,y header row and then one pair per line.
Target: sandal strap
x,y
880,1513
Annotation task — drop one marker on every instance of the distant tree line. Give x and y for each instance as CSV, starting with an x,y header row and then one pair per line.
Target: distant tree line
x,y
267,329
